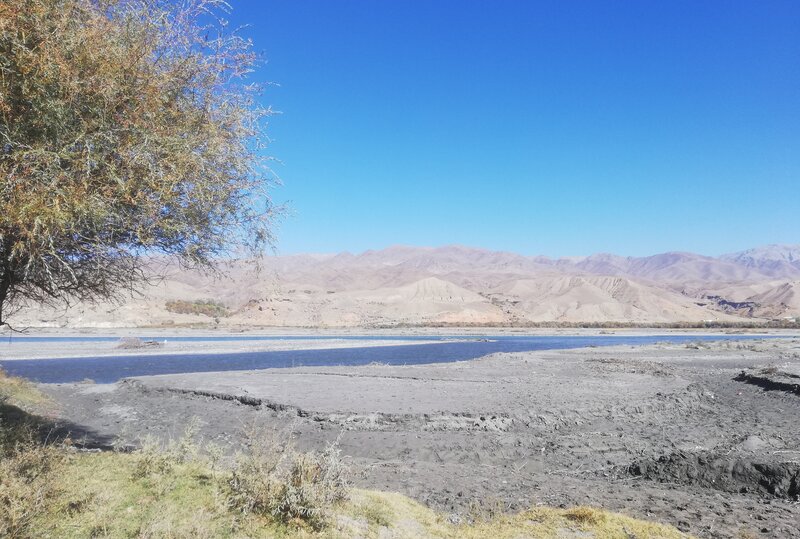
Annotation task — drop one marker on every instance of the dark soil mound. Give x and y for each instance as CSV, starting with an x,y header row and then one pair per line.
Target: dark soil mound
x,y
723,472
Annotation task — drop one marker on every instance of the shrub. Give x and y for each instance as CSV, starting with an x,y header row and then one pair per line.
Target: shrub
x,y
205,307
277,481
151,460
154,459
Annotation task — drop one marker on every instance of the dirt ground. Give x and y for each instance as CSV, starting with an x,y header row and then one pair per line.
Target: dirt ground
x,y
705,437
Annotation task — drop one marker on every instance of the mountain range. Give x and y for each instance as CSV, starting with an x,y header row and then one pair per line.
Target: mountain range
x,y
457,285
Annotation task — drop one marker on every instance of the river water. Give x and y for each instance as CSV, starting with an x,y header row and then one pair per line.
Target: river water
x,y
109,369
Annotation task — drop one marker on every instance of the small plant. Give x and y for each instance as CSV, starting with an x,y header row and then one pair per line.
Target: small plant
x,y
486,510
187,449
215,453
291,487
154,459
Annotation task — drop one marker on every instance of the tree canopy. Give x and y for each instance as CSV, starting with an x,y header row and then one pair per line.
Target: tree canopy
x,y
128,129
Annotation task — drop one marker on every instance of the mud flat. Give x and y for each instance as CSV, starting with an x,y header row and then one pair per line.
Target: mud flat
x,y
682,434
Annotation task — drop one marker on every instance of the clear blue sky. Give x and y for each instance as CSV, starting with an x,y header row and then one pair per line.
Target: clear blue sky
x,y
557,128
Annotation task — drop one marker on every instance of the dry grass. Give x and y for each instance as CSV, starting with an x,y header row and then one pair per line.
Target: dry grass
x,y
585,515
408,519
26,486
19,392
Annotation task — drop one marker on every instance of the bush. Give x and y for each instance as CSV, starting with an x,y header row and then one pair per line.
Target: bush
x,y
276,481
153,458
205,307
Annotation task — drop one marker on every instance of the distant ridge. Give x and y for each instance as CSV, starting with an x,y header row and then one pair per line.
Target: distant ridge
x,y
778,261
454,284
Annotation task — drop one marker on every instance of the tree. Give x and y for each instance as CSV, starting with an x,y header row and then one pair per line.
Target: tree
x,y
127,131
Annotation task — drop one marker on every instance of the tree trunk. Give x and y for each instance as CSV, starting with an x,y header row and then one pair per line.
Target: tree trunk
x,y
6,278
5,287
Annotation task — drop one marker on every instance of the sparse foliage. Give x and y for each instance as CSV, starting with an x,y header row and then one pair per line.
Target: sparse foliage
x,y
206,307
127,130
275,480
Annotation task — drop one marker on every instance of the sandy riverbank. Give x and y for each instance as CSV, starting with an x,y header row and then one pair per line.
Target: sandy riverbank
x,y
663,432
161,345
12,347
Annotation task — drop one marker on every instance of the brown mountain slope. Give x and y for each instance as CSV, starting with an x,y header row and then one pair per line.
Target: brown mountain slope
x,y
456,285
590,298
782,300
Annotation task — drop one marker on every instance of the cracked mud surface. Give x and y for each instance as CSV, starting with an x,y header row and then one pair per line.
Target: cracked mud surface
x,y
666,432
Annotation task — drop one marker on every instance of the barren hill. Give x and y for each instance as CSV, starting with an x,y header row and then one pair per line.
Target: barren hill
x,y
405,285
780,261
